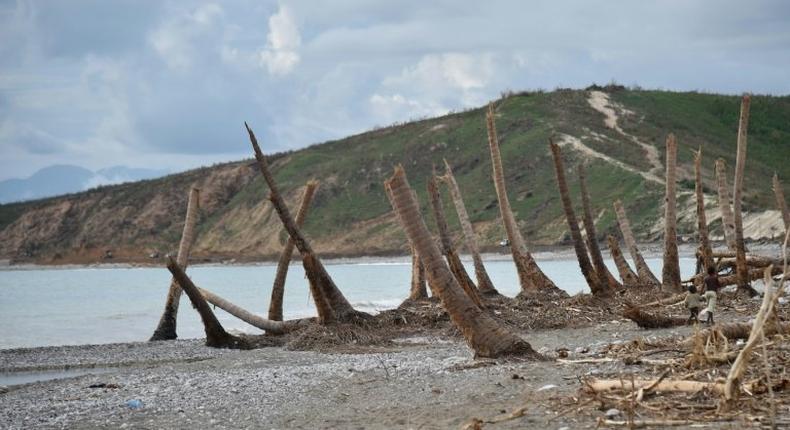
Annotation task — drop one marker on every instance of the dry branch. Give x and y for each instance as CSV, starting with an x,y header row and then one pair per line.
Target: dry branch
x,y
674,386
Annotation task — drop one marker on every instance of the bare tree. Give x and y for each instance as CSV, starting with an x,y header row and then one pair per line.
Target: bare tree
x,y
483,334
532,279
671,271
573,225
484,283
278,287
742,269
166,329
727,218
216,336
317,274
602,272
628,276
447,243
706,253
646,276
781,203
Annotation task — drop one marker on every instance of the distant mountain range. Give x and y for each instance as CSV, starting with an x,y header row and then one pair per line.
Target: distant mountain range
x,y
64,179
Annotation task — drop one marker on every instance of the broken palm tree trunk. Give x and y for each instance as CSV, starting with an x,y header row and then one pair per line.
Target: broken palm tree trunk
x,y
742,270
596,286
316,272
166,329
417,290
727,218
484,284
648,320
706,253
670,273
216,336
483,334
781,203
270,326
447,243
646,276
630,279
531,278
602,272
278,287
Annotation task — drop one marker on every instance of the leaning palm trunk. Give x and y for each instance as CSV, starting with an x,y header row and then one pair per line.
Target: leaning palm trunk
x,y
166,330
628,276
278,287
484,283
596,286
216,336
670,274
781,203
602,272
447,243
483,334
706,253
646,276
530,276
418,290
318,276
727,218
270,326
740,164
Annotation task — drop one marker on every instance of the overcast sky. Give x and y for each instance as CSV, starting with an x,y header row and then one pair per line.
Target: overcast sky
x,y
168,84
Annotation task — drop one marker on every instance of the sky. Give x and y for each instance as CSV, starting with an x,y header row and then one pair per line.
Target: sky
x,y
168,84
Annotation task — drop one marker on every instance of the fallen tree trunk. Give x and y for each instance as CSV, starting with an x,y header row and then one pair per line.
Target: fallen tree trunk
x,y
483,334
484,284
727,218
670,274
744,282
630,279
216,336
673,386
735,331
732,279
647,320
456,266
270,326
646,276
597,287
278,287
702,220
531,278
602,272
166,329
781,203
342,309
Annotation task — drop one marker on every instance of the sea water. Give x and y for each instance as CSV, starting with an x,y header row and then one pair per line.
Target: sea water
x,y
92,305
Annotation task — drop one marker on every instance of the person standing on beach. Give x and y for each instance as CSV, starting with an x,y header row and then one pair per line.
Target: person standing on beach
x,y
712,287
693,304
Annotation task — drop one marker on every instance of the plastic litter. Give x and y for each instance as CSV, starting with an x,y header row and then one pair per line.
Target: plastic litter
x,y
134,404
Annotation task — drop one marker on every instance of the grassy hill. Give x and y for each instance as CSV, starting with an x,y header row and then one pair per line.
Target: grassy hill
x,y
351,214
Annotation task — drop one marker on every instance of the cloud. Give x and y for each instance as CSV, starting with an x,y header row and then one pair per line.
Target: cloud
x,y
281,55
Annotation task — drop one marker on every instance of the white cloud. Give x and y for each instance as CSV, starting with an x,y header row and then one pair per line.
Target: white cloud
x,y
175,39
281,53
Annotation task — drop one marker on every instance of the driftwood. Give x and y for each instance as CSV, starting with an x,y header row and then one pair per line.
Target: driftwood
x,y
727,218
648,321
646,276
605,278
674,386
484,284
278,286
673,300
628,276
735,331
447,247
670,275
216,336
483,334
593,281
166,329
531,277
732,279
317,274
270,326
740,165
781,203
702,221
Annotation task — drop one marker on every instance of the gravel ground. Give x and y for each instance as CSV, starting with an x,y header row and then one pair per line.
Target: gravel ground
x,y
419,383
